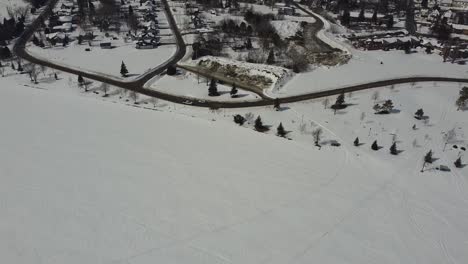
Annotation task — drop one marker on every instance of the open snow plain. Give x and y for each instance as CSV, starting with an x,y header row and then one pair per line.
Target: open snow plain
x,y
85,180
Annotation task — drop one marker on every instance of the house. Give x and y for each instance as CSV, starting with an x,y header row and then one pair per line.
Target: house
x,y
66,27
105,45
65,19
152,44
148,40
286,10
67,6
56,37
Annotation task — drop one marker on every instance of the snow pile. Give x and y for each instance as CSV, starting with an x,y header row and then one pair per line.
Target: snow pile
x,y
260,75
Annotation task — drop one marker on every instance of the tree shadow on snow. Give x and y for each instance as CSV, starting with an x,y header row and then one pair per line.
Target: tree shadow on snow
x,y
283,108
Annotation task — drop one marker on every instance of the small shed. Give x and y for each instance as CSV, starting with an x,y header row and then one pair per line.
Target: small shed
x,y
105,45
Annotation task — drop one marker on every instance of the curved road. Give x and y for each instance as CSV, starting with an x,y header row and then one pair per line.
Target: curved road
x,y
138,84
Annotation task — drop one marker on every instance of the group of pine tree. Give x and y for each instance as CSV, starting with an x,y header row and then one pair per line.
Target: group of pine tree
x,y
213,89
259,126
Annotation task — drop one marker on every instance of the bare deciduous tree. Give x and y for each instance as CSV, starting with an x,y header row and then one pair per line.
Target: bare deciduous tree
x,y
153,101
105,88
317,134
449,136
325,103
134,96
249,117
363,115
375,96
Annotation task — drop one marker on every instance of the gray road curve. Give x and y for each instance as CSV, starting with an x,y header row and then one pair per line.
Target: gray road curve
x,y
138,84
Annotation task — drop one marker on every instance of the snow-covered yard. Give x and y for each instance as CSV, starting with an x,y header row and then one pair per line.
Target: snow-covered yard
x,y
107,61
190,85
368,66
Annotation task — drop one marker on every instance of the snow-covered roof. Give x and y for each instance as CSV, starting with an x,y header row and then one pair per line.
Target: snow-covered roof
x,y
64,26
460,26
65,19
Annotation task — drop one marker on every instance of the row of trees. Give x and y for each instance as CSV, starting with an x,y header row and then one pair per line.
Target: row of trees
x,y
213,89
258,124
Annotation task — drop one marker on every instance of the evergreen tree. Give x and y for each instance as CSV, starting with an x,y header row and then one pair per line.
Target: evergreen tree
x,y
410,24
238,119
393,149
234,91
80,80
277,104
356,142
271,58
66,40
361,17
171,70
259,124
374,17
390,22
346,18
461,101
340,100
123,69
458,163
375,146
428,157
388,105
213,89
248,44
424,3
419,114
280,130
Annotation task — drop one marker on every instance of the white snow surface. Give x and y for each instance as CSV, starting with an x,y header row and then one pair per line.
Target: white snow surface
x,y
86,179
286,28
365,67
190,85
106,61
4,4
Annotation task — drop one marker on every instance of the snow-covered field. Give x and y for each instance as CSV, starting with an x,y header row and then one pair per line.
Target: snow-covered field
x,y
190,85
107,61
365,66
86,180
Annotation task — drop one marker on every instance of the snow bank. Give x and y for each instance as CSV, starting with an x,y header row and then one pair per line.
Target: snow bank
x,y
260,75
